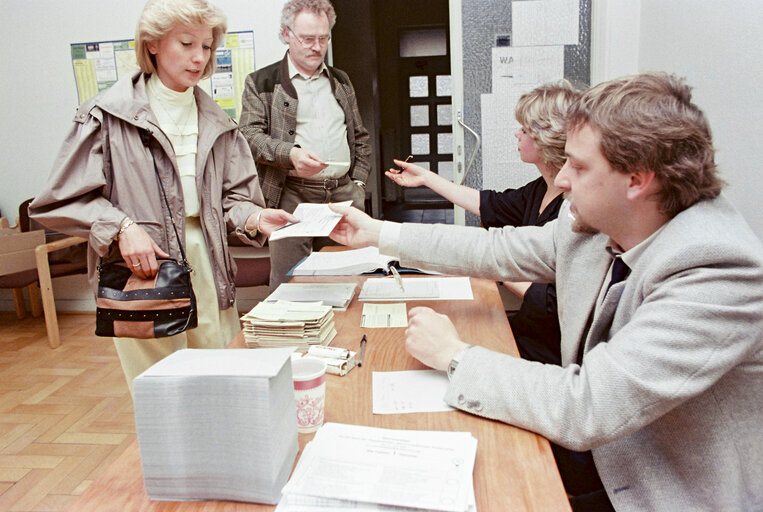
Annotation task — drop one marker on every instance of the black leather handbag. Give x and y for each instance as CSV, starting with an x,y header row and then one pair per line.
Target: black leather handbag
x,y
128,306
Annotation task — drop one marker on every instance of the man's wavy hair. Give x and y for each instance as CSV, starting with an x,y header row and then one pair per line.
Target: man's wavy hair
x,y
294,7
648,122
542,112
160,16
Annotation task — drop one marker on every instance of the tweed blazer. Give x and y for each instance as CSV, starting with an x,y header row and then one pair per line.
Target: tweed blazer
x,y
669,395
269,123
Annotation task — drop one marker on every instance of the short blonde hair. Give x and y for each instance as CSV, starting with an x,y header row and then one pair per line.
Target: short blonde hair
x,y
160,16
648,122
542,112
294,7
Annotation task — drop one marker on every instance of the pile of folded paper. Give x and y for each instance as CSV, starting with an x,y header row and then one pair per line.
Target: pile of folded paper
x,y
289,324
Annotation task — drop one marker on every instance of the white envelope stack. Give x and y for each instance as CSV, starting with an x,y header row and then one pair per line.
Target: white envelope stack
x,y
217,425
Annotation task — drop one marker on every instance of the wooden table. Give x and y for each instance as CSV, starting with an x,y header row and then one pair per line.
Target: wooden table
x,y
514,469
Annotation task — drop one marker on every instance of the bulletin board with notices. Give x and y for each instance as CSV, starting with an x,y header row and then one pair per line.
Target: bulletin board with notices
x,y
98,65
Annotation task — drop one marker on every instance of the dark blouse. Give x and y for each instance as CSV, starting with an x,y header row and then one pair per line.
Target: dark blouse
x,y
536,325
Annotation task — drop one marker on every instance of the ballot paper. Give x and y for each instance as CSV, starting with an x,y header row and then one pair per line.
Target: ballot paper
x,y
217,425
315,219
416,288
410,391
367,468
288,324
336,295
384,315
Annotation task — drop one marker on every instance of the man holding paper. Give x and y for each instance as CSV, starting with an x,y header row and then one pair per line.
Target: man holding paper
x,y
660,284
303,125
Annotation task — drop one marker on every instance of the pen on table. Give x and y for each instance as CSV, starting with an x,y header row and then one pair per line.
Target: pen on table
x,y
397,277
362,350
398,171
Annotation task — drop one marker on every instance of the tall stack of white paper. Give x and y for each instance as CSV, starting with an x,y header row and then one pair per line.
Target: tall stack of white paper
x,y
367,468
283,323
217,425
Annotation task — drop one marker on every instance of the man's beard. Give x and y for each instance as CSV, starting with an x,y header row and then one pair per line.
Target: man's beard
x,y
578,224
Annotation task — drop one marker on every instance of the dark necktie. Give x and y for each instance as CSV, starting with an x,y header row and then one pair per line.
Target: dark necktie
x,y
619,272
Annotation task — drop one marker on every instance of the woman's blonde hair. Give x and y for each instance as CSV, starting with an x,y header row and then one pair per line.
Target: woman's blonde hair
x,y
542,112
161,16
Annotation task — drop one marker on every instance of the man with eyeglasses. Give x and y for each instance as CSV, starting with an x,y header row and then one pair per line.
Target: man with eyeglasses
x,y
303,125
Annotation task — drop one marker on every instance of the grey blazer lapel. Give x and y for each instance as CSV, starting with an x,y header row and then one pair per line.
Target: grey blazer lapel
x,y
602,320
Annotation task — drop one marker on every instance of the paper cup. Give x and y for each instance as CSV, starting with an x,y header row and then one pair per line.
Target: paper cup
x,y
309,375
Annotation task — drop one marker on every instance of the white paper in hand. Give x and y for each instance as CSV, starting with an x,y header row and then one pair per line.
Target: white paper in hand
x,y
315,219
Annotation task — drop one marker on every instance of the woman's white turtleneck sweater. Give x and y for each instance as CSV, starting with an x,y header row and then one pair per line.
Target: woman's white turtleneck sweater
x,y
178,118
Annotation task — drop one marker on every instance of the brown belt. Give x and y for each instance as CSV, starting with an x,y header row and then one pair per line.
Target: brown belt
x,y
327,184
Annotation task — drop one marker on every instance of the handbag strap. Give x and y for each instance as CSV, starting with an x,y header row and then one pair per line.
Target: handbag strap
x,y
145,137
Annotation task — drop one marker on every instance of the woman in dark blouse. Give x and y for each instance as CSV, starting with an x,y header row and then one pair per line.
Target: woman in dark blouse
x,y
540,141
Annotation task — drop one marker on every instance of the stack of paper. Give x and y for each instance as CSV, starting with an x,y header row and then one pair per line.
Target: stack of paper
x,y
336,295
289,324
217,425
366,468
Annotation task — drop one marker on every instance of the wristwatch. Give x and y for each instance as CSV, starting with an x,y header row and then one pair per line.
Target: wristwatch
x,y
456,359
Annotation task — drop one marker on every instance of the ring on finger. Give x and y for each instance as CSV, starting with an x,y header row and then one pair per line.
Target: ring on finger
x,y
135,265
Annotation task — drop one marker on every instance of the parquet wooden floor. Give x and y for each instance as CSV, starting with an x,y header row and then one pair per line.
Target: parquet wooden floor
x,y
65,414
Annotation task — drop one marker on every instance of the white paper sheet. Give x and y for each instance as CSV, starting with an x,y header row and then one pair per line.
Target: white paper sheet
x,y
404,468
384,315
314,220
416,288
409,391
545,22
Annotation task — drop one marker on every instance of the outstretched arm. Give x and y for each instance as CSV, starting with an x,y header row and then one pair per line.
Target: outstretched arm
x,y
414,176
356,229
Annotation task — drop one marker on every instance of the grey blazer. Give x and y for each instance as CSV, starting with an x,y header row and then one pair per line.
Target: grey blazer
x,y
669,396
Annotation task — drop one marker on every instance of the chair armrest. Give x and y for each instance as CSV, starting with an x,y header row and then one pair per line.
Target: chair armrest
x,y
63,243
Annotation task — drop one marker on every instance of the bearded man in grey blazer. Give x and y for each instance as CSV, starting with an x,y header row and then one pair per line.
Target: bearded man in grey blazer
x,y
660,291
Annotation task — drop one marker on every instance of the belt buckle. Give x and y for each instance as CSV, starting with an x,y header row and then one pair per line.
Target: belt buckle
x,y
330,183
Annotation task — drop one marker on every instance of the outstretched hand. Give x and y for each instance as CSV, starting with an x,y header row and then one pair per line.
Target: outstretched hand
x,y
272,219
411,175
355,229
432,338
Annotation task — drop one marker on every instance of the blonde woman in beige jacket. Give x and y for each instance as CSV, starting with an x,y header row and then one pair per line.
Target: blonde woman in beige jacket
x,y
103,185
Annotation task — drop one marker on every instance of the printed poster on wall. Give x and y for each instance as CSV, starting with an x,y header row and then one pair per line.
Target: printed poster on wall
x,y
98,65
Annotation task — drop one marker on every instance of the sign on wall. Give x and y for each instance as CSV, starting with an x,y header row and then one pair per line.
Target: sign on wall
x,y
98,65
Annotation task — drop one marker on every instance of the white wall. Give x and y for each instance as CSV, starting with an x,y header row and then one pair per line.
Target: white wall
x,y
717,47
39,95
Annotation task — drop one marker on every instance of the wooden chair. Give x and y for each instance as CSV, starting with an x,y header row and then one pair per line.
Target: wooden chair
x,y
24,263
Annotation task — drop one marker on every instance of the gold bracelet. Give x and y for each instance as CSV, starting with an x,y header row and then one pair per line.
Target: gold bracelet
x,y
125,224
253,232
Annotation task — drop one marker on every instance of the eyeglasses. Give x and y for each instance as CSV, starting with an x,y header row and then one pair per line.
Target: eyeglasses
x,y
309,41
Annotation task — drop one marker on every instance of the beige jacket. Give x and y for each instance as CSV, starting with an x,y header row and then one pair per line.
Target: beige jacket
x,y
104,173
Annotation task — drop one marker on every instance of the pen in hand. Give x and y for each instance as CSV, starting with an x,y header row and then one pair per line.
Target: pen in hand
x,y
398,171
362,350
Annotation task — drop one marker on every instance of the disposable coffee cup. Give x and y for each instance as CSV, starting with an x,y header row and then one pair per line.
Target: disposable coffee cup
x,y
309,375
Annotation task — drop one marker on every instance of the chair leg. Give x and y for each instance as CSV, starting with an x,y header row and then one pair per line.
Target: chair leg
x,y
19,302
34,300
48,302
